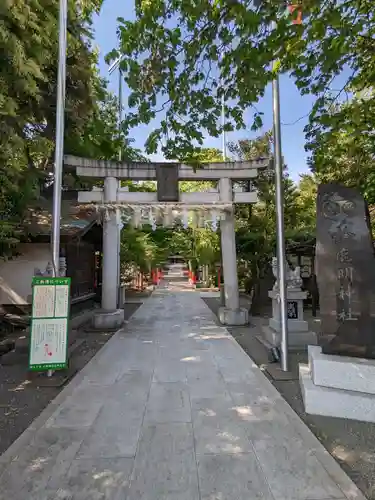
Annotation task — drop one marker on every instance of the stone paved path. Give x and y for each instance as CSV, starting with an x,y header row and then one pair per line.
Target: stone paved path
x,y
171,409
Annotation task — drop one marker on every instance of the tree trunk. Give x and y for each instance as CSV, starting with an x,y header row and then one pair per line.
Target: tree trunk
x,y
256,308
263,282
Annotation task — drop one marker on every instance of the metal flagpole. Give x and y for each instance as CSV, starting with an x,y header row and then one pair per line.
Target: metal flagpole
x,y
119,159
59,142
59,138
281,255
112,68
119,213
224,139
224,153
119,111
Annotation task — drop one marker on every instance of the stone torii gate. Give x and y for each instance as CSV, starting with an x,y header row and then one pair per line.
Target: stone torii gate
x,y
217,201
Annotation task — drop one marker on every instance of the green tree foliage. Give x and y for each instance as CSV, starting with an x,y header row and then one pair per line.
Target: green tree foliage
x,y
342,144
100,137
256,224
28,67
207,247
28,81
140,250
143,249
198,158
175,68
306,205
205,242
180,57
28,84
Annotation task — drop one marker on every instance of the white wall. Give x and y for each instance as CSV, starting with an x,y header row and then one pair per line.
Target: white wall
x,y
16,274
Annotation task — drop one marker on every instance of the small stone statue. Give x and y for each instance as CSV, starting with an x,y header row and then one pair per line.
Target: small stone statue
x,y
47,272
293,277
62,266
275,272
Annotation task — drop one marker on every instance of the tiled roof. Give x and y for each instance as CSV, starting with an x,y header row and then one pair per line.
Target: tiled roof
x,y
74,219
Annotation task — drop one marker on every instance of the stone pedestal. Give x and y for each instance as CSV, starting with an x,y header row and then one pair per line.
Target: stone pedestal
x,y
108,320
338,386
299,335
230,317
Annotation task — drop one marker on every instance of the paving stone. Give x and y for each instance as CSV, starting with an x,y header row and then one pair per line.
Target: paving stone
x,y
96,479
219,430
170,370
132,387
222,403
80,409
165,466
103,375
229,477
42,462
168,402
115,432
292,472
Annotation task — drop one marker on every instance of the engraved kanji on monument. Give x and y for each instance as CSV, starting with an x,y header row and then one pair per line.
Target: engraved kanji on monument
x,y
345,271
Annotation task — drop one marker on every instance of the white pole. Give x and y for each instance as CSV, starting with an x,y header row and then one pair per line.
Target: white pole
x,y
59,138
224,139
112,68
119,213
281,256
59,142
120,111
224,146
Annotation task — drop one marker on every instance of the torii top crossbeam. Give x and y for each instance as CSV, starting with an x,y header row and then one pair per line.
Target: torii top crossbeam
x,y
137,171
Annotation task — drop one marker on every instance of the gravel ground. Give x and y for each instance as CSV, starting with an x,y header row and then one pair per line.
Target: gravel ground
x,y
23,398
351,443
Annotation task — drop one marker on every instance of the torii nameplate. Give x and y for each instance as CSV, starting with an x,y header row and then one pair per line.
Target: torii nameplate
x,y
167,182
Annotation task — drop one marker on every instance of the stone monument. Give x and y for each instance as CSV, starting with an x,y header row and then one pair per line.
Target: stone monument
x,y
336,382
298,329
345,270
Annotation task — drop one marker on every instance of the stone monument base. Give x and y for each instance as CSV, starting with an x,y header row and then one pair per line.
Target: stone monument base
x,y
229,317
299,336
108,320
338,386
296,339
294,325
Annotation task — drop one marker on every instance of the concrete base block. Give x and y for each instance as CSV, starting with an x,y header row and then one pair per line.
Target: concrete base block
x,y
341,372
229,317
210,295
294,325
297,340
335,402
108,320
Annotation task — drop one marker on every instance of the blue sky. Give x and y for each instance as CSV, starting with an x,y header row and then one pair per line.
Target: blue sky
x,y
293,106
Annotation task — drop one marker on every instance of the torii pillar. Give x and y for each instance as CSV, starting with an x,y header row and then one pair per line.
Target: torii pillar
x,y
231,314
110,248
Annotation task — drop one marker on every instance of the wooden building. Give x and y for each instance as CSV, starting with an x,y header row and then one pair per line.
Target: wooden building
x,y
81,245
